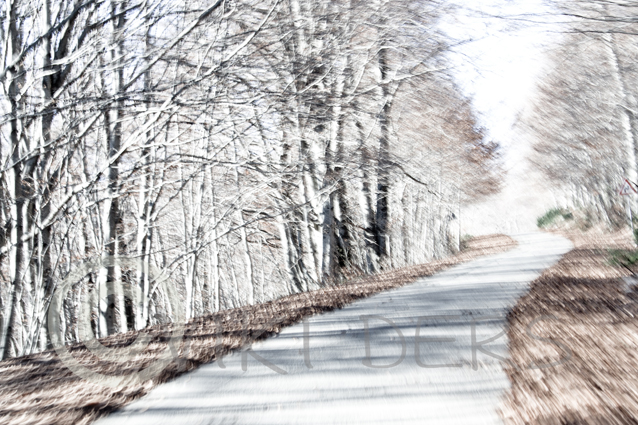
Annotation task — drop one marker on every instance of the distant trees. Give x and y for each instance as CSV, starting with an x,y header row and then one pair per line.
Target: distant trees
x,y
584,118
249,149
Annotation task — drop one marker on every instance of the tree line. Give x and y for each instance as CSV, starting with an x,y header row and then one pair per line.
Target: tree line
x,y
584,119
248,149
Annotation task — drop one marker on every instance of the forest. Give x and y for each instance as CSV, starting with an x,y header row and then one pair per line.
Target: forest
x,y
248,150
583,122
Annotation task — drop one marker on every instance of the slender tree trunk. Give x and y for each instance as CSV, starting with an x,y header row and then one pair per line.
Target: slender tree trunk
x,y
144,235
214,248
113,310
12,325
383,179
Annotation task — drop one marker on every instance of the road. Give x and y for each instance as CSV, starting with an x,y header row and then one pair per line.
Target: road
x,y
332,370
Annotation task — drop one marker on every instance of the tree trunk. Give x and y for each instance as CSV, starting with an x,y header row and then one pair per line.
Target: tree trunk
x,y
12,324
113,311
383,179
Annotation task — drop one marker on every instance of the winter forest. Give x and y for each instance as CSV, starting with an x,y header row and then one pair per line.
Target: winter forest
x,y
251,150
584,119
247,149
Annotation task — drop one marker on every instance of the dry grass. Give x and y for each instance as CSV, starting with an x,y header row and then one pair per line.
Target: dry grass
x,y
39,389
596,319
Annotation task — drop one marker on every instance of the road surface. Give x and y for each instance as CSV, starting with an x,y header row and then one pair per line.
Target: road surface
x,y
422,359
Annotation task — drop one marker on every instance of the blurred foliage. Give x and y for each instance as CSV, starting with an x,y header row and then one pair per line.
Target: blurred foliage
x,y
465,240
550,217
625,258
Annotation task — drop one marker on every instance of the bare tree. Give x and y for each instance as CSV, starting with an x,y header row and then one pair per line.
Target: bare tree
x,y
249,149
583,120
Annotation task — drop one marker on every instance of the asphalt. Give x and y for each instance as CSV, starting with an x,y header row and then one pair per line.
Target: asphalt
x,y
430,352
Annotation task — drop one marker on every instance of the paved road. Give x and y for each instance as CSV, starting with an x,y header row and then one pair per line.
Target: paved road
x,y
449,382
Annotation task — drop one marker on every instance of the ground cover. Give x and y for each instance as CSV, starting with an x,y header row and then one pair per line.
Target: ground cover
x,y
574,339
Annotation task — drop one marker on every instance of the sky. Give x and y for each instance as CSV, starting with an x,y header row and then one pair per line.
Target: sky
x,y
498,69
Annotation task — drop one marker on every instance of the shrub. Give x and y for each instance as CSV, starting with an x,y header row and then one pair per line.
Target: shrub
x,y
623,257
465,239
550,216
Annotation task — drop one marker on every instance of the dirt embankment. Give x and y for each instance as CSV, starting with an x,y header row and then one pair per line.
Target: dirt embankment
x,y
39,389
574,341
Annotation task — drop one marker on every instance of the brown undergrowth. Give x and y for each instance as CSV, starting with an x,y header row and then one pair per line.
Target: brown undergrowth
x,y
39,389
585,369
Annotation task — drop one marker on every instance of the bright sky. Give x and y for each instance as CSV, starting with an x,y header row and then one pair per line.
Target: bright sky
x,y
498,69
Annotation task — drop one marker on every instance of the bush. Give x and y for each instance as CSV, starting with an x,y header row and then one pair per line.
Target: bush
x,y
623,257
550,216
465,239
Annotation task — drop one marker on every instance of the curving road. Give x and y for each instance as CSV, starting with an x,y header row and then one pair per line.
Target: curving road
x,y
425,353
